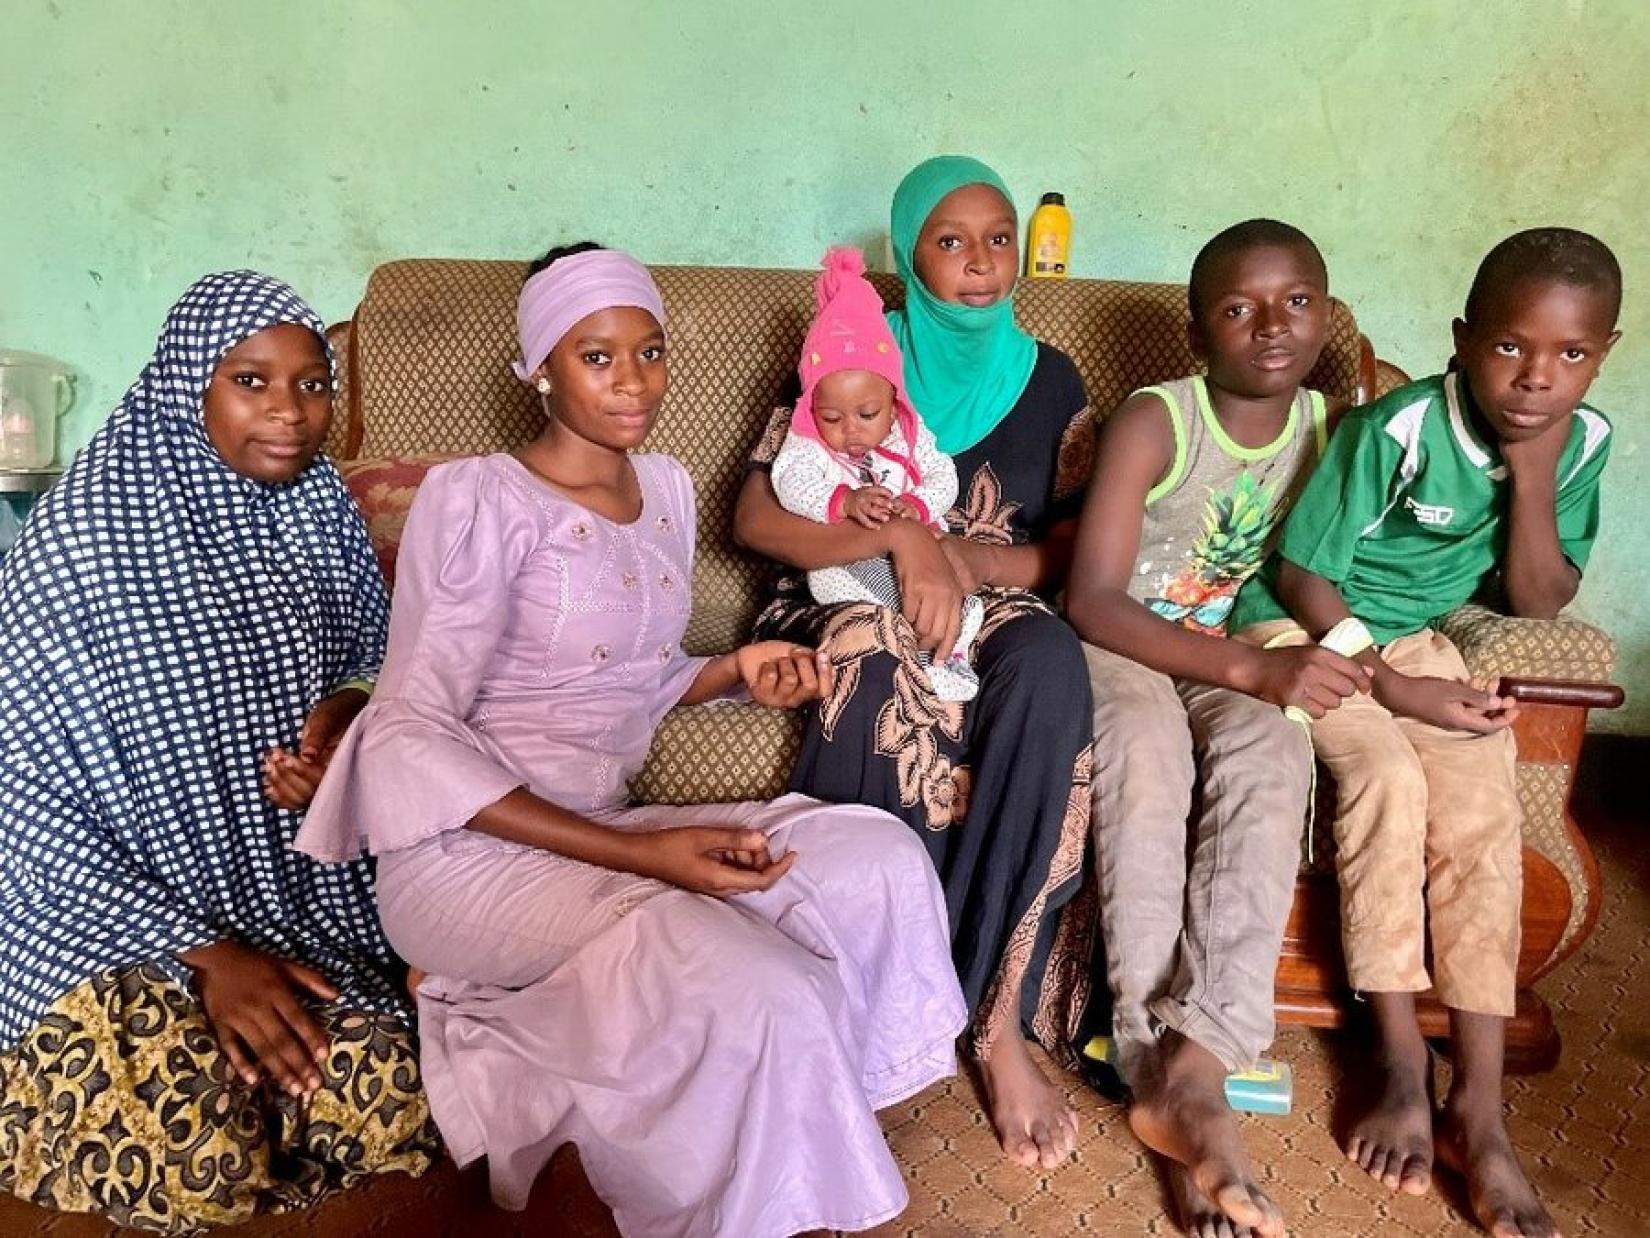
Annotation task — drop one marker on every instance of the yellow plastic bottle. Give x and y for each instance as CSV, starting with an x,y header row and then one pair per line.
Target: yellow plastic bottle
x,y
1048,240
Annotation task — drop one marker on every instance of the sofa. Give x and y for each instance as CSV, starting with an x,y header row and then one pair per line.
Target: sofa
x,y
424,369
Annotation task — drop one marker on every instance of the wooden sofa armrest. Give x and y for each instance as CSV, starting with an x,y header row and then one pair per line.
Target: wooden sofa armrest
x,y
1365,392
344,439
1376,375
1388,377
1562,692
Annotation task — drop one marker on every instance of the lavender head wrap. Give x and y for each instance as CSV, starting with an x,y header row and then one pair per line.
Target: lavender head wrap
x,y
572,288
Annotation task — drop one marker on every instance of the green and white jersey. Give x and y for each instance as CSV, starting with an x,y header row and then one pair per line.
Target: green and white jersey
x,y
1406,514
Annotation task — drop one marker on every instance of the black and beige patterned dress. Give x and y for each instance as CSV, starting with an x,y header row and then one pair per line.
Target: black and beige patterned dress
x,y
997,787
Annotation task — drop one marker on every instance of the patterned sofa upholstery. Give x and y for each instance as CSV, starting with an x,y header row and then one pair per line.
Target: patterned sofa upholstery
x,y
425,373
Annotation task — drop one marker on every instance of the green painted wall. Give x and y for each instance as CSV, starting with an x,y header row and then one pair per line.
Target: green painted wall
x,y
141,144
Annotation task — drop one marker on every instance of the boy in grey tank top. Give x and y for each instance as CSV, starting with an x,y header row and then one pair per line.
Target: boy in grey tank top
x,y
1189,488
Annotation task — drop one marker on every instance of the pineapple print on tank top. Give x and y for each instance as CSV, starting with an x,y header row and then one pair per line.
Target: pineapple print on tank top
x,y
1212,520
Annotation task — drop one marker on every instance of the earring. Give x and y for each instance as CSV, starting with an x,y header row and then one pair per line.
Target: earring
x,y
543,384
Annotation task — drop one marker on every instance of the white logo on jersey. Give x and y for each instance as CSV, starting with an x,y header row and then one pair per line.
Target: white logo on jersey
x,y
1430,513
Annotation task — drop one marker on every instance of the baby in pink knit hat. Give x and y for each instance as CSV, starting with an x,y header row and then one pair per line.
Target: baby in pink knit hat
x,y
858,451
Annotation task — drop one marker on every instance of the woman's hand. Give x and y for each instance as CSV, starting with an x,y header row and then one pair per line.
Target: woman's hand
x,y
327,722
290,779
930,593
708,859
290,782
975,563
783,675
251,999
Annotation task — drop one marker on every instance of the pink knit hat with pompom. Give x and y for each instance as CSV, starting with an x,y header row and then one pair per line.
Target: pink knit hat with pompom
x,y
849,332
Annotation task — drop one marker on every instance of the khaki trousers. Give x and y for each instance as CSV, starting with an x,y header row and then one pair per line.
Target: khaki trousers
x,y
1427,828
1192,934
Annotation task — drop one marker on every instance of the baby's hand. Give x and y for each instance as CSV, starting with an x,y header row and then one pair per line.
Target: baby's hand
x,y
871,506
905,509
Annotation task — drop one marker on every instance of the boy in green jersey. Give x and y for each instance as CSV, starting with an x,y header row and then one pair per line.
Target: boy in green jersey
x,y
1485,476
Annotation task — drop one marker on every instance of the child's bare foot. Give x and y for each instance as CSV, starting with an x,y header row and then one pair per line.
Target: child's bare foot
x,y
1392,1142
1196,1212
414,979
1472,1140
1034,1124
1180,1111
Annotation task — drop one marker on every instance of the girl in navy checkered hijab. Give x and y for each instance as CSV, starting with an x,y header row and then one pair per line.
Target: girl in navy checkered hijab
x,y
185,623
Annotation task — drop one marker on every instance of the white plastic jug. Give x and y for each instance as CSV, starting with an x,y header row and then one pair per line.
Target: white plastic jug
x,y
35,392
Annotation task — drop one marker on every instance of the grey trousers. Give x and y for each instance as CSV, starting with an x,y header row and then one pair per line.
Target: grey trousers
x,y
1193,926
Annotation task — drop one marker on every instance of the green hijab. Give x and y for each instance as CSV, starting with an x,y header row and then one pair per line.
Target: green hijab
x,y
965,365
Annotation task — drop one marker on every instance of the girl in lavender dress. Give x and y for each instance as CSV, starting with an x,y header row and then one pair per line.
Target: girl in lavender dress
x,y
710,1002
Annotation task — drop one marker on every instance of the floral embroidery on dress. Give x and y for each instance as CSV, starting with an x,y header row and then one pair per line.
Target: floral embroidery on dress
x,y
1003,606
1056,1027
908,719
773,437
1074,462
984,515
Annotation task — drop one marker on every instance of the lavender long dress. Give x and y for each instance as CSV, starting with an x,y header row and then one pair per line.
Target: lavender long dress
x,y
718,1063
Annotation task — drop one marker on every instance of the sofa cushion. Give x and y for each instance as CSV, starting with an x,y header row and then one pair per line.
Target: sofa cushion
x,y
720,754
383,490
1562,648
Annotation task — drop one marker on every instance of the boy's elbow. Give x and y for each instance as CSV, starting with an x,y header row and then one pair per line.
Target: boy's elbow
x,y
1539,594
1525,606
1088,613
1543,610
1542,603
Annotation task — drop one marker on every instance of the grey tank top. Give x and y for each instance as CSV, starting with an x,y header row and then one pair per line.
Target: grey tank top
x,y
1216,514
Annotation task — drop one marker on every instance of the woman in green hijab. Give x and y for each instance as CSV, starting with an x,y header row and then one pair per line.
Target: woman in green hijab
x,y
998,788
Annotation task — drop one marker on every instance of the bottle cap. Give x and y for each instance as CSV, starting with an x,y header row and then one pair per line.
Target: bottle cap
x,y
1052,199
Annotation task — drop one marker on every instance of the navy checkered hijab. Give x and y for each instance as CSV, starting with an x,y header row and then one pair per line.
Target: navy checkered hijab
x,y
164,622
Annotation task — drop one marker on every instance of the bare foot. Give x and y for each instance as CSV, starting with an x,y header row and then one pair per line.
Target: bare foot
x,y
1392,1142
1180,1111
414,979
1472,1140
1034,1124
1196,1212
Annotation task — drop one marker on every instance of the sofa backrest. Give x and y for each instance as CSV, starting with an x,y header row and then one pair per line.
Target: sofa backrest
x,y
429,352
